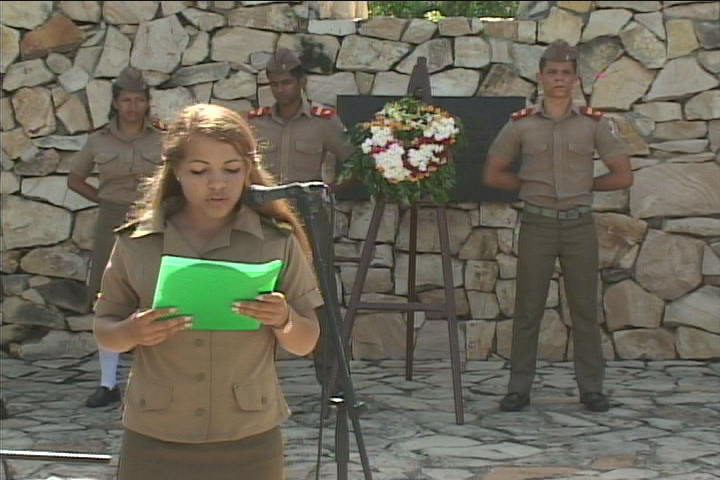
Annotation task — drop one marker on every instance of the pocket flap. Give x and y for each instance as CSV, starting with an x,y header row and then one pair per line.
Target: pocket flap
x,y
146,395
580,148
534,148
153,157
308,147
104,157
266,145
255,395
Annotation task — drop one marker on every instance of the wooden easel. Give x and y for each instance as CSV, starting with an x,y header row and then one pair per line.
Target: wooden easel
x,y
419,87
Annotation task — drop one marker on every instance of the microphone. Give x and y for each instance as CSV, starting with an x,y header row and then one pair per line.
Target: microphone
x,y
258,195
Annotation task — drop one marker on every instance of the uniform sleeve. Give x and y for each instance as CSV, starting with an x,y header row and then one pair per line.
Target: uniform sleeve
x,y
608,141
117,298
82,162
507,143
336,139
298,281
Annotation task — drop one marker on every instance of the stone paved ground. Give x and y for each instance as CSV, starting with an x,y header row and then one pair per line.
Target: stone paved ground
x,y
665,426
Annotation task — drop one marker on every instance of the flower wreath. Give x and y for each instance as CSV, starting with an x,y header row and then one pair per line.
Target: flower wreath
x,y
403,153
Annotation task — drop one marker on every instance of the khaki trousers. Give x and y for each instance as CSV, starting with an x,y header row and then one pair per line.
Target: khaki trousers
x,y
574,242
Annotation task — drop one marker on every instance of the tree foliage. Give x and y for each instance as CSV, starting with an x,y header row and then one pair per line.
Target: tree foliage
x,y
438,9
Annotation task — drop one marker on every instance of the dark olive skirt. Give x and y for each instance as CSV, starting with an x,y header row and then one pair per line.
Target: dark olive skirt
x,y
110,216
259,457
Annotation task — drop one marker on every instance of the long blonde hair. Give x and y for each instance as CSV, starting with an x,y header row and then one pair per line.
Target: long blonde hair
x,y
163,190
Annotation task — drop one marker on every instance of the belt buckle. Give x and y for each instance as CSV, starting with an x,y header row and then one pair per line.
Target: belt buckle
x,y
562,215
547,212
326,195
574,214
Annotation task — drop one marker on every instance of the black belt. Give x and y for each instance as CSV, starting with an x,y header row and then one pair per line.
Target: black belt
x,y
570,214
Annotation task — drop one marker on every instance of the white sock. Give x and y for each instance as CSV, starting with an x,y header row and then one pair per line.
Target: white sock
x,y
108,368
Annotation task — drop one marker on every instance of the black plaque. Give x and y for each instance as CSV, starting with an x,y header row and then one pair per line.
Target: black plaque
x,y
482,118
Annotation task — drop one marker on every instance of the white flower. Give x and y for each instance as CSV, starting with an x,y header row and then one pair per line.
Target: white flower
x,y
441,129
381,136
392,159
421,157
390,163
367,145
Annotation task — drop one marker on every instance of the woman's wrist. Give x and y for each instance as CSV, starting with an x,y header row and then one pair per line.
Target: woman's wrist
x,y
286,326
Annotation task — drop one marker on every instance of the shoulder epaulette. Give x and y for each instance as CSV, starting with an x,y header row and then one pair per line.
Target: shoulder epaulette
x,y
258,112
324,112
159,125
282,227
591,112
523,113
128,226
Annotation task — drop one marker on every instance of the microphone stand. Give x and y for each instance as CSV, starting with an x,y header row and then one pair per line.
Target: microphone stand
x,y
346,404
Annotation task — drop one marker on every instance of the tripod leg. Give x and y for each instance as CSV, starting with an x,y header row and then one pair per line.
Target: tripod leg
x,y
324,354
317,225
342,444
355,418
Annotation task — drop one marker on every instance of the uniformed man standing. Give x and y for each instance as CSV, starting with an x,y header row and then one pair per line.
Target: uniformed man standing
x,y
556,141
297,135
125,152
296,138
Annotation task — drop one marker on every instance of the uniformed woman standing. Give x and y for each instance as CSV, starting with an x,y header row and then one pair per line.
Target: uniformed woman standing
x,y
206,404
125,152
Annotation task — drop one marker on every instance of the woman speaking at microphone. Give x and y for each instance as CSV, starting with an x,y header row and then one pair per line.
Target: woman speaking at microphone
x,y
206,404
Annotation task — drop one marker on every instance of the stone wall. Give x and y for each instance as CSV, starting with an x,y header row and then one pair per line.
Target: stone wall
x,y
652,65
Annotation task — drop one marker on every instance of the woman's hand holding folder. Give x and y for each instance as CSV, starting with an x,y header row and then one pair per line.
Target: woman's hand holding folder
x,y
269,308
143,327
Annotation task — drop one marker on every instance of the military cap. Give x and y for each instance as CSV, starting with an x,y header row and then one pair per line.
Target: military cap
x,y
282,61
131,79
559,51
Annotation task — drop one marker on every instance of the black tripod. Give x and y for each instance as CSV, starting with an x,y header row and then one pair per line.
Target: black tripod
x,y
308,200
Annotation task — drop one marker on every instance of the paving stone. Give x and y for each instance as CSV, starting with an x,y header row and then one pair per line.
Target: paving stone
x,y
658,430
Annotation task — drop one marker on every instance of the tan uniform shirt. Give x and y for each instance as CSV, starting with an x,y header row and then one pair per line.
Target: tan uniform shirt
x,y
122,162
204,386
557,155
294,151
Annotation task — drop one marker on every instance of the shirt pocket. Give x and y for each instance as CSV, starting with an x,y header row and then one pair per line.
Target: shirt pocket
x,y
111,164
307,164
149,161
580,156
152,157
309,148
535,158
256,395
268,151
144,395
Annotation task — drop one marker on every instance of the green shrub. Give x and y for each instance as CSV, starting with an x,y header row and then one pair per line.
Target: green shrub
x,y
439,9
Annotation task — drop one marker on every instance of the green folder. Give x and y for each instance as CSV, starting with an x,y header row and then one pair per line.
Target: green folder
x,y
206,289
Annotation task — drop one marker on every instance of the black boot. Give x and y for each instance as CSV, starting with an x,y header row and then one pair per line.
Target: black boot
x,y
103,396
